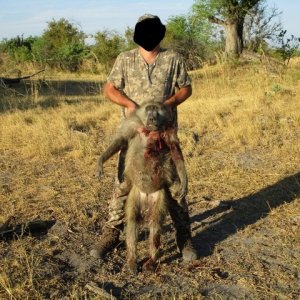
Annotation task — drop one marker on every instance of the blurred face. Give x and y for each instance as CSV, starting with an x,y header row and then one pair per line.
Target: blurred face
x,y
149,33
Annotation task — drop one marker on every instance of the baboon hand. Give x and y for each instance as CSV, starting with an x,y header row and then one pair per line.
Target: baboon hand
x,y
182,191
99,170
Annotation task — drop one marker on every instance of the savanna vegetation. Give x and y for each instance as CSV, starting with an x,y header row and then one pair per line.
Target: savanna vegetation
x,y
212,26
240,134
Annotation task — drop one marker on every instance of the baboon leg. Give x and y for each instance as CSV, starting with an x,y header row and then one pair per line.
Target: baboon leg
x,y
157,215
132,208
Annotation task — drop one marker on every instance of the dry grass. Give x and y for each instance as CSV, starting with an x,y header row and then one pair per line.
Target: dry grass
x,y
240,134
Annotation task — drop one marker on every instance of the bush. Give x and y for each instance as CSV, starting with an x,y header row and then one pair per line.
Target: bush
x,y
190,37
288,46
61,46
108,45
18,49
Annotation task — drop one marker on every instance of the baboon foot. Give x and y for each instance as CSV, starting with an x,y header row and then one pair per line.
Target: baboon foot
x,y
189,253
132,266
150,265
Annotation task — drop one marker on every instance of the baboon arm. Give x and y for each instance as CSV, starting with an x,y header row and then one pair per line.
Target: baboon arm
x,y
126,131
181,171
177,157
116,145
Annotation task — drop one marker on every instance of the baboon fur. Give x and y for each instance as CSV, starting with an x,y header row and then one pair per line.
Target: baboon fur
x,y
153,162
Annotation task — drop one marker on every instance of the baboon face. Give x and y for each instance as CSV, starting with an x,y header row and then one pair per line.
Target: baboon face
x,y
155,116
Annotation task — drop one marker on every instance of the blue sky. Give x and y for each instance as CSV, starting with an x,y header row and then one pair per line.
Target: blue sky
x,y
30,17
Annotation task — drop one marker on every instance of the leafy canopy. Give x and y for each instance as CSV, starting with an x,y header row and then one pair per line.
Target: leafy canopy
x,y
223,9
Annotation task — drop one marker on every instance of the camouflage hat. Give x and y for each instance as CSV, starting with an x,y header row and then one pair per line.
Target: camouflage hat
x,y
149,31
147,16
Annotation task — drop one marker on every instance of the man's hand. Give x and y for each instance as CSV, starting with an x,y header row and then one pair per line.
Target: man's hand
x,y
131,108
118,97
181,95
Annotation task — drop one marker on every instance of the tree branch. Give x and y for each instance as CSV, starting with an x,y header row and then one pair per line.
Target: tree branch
x,y
18,79
216,20
248,4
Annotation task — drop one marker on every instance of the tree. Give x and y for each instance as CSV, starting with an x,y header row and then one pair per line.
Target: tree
x,y
230,14
190,37
261,24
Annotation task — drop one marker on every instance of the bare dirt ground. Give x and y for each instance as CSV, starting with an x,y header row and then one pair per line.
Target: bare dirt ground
x,y
244,201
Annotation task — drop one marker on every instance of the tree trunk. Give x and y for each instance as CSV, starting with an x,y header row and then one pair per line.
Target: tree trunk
x,y
234,37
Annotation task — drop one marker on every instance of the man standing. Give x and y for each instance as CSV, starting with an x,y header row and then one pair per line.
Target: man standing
x,y
145,74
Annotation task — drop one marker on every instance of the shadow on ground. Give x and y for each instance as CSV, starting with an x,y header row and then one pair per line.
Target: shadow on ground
x,y
36,228
243,212
29,94
58,87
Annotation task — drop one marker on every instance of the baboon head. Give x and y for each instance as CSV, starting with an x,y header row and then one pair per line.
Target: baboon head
x,y
155,116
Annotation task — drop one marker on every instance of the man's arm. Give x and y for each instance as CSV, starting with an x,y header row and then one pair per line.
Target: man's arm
x,y
116,96
180,96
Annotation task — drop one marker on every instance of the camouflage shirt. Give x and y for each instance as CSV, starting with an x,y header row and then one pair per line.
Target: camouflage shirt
x,y
144,83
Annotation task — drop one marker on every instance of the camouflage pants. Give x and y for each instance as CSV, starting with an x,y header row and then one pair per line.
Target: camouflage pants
x,y
178,211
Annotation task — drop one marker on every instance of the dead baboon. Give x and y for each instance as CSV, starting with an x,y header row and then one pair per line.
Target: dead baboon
x,y
153,161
